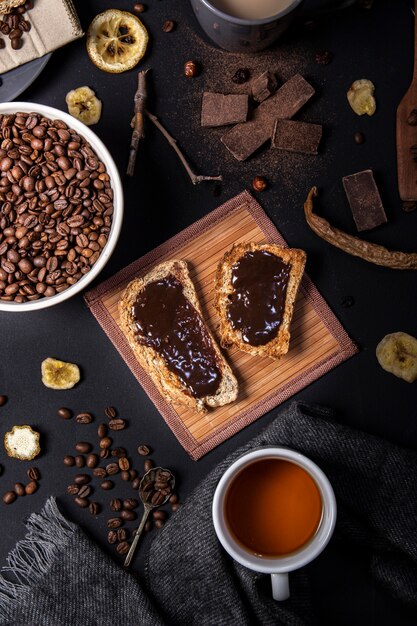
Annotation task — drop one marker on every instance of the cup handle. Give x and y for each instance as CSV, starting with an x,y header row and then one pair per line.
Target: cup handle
x,y
280,586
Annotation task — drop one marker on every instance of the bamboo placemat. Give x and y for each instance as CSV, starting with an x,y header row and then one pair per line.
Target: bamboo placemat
x,y
318,341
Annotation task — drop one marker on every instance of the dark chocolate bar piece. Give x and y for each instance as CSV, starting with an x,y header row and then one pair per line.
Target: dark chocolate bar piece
x,y
364,200
221,109
263,86
244,139
297,136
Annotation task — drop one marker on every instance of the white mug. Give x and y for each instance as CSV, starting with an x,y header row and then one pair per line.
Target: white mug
x,y
278,566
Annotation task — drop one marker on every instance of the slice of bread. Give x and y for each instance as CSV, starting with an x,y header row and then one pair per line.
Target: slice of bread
x,y
168,383
7,5
278,346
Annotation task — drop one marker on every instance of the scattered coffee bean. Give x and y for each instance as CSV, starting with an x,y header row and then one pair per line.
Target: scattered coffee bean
x,y
157,498
148,465
348,302
130,504
148,526
3,400
116,504
102,430
9,497
114,522
105,443
33,473
123,547
118,452
173,499
128,515
81,502
84,418
69,460
241,76
359,137
190,69
121,534
94,508
144,450
168,26
107,484
112,469
85,491
19,489
100,472
175,506
111,412
105,453
136,483
159,514
83,447
409,206
259,183
125,475
112,536
138,7
73,490
124,464
132,474
324,57
117,424
65,413
80,460
92,460
159,523
412,118
31,487
82,479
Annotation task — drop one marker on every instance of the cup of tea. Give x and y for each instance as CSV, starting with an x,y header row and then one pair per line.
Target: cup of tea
x,y
274,511
253,25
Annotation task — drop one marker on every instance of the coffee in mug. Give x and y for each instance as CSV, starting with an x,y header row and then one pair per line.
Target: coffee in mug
x,y
252,9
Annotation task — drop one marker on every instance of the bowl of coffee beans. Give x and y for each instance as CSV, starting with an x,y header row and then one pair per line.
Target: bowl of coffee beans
x,y
61,206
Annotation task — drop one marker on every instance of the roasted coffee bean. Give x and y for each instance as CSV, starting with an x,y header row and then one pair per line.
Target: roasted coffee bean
x,y
33,473
157,498
105,443
144,450
139,7
73,490
173,499
105,453
168,26
83,447
123,547
102,430
69,460
100,472
118,452
241,76
148,526
136,482
92,460
121,534
3,400
159,514
148,465
85,491
116,504
94,508
149,486
31,487
409,206
130,503
112,536
164,475
65,413
82,479
359,137
128,515
159,523
107,484
81,502
80,460
112,469
111,412
117,424
114,522
125,476
124,464
132,474
9,497
161,485
84,418
175,506
19,489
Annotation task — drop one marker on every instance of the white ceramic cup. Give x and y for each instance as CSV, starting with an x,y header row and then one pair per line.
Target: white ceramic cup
x,y
278,567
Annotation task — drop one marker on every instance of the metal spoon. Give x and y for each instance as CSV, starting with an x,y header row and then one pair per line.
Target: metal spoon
x,y
152,499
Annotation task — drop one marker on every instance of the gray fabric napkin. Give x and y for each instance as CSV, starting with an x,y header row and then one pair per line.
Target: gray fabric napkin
x,y
56,576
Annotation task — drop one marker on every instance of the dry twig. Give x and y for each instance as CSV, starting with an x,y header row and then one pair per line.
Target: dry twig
x,y
138,121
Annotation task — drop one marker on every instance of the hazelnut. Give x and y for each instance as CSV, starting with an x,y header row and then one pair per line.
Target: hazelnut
x,y
190,69
259,183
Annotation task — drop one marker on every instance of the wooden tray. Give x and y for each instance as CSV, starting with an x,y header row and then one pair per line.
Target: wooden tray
x,y
318,341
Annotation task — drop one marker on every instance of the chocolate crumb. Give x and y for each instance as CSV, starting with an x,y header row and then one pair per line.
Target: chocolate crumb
x,y
409,206
324,57
241,76
412,118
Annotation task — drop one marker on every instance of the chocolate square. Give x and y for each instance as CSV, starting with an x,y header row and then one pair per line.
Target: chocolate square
x,y
364,200
297,136
219,109
263,86
244,139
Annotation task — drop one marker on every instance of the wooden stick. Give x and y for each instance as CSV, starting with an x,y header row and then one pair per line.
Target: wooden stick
x,y
138,121
195,178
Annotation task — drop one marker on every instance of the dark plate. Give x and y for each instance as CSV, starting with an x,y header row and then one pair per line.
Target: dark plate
x,y
17,80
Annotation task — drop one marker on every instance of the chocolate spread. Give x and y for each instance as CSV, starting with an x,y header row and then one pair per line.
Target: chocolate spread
x,y
256,307
167,321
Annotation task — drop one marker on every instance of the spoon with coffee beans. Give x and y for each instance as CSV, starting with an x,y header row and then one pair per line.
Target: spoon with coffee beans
x,y
155,489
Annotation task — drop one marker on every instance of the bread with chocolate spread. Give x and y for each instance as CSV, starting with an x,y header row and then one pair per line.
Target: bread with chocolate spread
x,y
256,288
161,318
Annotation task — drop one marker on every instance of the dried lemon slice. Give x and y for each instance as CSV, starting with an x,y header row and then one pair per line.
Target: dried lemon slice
x,y
397,354
59,374
22,442
84,105
361,97
116,41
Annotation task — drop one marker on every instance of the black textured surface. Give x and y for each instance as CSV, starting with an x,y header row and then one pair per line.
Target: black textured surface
x,y
160,201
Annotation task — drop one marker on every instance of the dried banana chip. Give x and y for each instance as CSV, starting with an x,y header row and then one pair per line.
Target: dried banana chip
x,y
84,105
22,442
397,354
59,375
361,97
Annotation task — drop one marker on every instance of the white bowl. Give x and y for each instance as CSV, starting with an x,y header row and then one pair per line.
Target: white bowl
x,y
105,156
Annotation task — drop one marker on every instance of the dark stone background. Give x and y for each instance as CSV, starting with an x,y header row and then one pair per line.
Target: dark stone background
x,y
160,201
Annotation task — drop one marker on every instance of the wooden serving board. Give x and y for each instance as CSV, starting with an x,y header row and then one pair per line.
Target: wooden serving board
x,y
318,341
